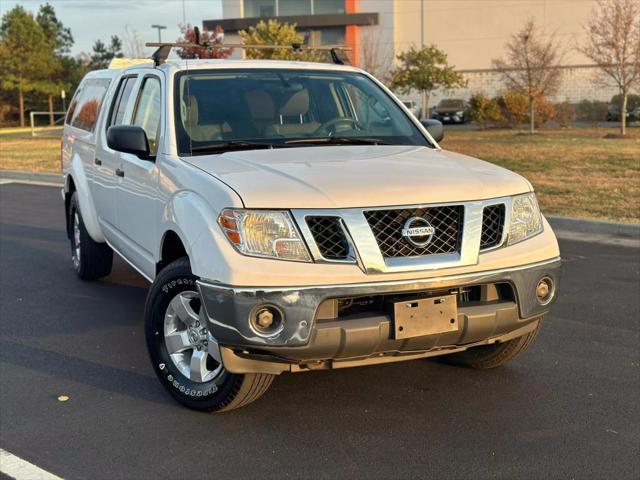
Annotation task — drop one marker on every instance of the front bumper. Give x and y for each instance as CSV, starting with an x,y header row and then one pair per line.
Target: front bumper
x,y
303,338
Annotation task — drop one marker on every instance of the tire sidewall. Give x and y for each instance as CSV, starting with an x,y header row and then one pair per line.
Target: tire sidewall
x,y
73,208
177,278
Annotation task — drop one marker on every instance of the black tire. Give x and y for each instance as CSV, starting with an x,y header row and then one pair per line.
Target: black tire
x,y
491,356
91,260
226,391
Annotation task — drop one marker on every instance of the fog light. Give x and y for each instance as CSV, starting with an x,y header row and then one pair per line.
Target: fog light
x,y
545,290
267,320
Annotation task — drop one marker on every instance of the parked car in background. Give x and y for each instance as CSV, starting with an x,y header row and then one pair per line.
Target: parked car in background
x,y
633,108
413,108
451,110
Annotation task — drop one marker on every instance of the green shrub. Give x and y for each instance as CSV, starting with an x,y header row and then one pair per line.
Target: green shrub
x,y
590,111
565,114
484,111
515,109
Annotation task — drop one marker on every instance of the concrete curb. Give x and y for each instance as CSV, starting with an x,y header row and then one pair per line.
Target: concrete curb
x,y
53,178
576,226
594,227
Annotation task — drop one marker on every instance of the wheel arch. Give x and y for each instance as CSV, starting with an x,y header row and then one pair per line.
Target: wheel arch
x,y
77,179
191,219
172,247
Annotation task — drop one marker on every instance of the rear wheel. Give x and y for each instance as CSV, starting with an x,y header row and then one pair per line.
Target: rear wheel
x,y
491,356
91,260
184,353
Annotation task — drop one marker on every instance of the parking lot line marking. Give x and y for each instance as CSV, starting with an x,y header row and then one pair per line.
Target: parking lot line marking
x,y
20,469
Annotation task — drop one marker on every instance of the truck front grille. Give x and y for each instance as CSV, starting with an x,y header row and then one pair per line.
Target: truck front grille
x,y
329,237
492,226
387,226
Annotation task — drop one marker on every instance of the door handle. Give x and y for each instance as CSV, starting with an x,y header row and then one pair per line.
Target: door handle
x,y
119,172
97,161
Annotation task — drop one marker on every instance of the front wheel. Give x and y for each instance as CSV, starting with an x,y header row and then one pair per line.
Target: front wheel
x,y
178,343
491,356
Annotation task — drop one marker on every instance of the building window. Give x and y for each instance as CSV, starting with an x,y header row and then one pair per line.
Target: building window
x,y
328,6
260,8
294,7
276,8
332,36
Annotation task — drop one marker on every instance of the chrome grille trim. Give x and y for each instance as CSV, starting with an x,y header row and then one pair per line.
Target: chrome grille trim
x,y
493,219
329,236
364,250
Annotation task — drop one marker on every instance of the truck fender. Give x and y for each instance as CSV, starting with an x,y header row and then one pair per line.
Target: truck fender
x,y
195,222
85,201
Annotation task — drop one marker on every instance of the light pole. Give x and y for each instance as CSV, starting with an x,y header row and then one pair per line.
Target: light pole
x,y
425,113
160,28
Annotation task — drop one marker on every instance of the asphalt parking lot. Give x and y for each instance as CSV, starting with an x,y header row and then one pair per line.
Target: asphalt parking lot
x,y
568,408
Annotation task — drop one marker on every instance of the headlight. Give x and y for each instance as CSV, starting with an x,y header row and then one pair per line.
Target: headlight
x,y
461,113
264,233
526,219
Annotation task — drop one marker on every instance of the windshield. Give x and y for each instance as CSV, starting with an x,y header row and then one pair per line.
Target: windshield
x,y
278,108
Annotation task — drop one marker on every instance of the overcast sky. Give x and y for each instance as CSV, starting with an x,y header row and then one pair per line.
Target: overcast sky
x,y
90,20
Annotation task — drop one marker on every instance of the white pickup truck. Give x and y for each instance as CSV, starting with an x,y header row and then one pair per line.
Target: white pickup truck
x,y
295,216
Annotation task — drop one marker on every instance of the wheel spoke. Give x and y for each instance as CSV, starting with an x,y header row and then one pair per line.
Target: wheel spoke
x,y
177,341
198,365
183,310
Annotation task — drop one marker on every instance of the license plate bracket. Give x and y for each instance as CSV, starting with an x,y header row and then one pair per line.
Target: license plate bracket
x,y
425,316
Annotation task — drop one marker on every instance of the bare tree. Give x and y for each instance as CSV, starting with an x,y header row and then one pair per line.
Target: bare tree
x,y
376,57
531,65
614,45
133,43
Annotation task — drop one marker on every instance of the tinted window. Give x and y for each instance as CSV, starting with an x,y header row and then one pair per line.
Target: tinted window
x,y
85,107
147,112
120,101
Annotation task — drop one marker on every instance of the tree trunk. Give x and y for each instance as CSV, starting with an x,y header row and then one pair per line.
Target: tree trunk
x,y
425,104
532,123
21,105
623,113
51,120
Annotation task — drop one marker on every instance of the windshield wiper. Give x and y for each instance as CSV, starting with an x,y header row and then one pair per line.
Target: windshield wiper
x,y
233,145
338,141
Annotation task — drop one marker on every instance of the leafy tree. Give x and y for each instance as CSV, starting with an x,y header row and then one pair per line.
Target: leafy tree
x,y
276,33
425,70
614,45
26,57
189,36
103,54
531,66
61,42
54,30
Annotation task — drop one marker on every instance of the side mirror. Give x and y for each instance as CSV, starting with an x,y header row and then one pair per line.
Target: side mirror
x,y
434,127
128,139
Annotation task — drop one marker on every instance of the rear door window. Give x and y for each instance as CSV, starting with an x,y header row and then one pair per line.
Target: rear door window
x,y
85,107
147,111
120,101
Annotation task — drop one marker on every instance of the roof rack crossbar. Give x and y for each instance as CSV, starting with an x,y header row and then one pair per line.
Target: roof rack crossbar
x,y
163,49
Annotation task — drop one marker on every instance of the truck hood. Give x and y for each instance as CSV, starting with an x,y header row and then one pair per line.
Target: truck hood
x,y
357,176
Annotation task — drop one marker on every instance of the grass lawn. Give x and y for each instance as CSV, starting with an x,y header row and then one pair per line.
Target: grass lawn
x,y
30,154
575,172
